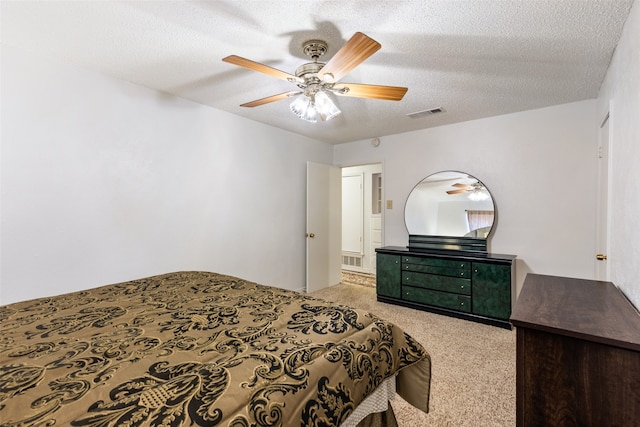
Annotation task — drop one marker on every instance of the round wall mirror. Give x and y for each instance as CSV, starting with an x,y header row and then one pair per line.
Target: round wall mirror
x,y
451,204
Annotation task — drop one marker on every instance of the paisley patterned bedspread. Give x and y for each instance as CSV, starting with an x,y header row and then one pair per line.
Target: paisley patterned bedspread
x,y
195,348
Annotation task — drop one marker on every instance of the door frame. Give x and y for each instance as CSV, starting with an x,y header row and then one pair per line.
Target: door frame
x,y
382,210
603,197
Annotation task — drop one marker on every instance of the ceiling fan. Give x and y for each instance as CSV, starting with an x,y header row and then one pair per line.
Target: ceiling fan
x,y
477,191
316,79
462,188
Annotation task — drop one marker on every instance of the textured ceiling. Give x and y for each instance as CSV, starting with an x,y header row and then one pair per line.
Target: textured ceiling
x,y
474,59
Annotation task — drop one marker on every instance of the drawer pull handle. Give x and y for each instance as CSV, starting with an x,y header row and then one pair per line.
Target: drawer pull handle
x,y
461,286
461,303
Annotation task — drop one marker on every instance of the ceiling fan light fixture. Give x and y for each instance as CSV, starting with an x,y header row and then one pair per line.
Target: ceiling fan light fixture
x,y
325,106
478,193
311,115
304,108
309,106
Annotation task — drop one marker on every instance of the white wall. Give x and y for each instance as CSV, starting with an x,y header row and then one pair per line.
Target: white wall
x,y
539,165
104,181
620,94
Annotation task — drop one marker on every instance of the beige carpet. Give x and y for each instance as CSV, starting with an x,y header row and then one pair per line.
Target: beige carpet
x,y
473,372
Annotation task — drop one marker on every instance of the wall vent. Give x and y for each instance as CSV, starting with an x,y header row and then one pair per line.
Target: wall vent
x,y
352,261
425,113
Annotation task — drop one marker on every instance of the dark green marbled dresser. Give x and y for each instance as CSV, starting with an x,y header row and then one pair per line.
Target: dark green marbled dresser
x,y
473,286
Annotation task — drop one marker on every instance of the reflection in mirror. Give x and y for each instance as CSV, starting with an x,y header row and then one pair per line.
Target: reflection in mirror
x,y
449,203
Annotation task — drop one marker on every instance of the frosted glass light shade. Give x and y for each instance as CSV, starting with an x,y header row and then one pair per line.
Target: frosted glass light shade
x,y
302,107
478,194
326,108
309,108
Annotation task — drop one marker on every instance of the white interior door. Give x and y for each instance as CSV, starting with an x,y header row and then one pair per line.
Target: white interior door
x,y
324,228
352,215
602,217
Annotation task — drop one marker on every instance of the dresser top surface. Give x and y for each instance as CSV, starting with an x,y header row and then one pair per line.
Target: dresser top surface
x,y
478,256
585,309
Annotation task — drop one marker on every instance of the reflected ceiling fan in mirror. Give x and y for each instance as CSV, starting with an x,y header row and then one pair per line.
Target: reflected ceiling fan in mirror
x,y
476,191
316,79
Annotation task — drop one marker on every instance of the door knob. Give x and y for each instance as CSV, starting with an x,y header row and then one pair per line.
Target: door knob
x,y
311,235
601,257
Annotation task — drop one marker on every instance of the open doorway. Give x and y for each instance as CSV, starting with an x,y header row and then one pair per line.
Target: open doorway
x,y
362,222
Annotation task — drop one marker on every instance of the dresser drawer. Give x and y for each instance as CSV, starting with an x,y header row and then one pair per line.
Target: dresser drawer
x,y
443,271
436,298
437,262
438,283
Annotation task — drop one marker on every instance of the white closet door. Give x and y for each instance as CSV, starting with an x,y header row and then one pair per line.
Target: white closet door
x,y
352,214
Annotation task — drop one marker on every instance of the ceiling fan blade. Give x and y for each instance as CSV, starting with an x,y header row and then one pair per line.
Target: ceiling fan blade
x,y
456,191
256,66
389,93
271,98
357,49
459,185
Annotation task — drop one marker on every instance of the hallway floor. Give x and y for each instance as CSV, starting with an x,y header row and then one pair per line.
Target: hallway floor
x,y
357,278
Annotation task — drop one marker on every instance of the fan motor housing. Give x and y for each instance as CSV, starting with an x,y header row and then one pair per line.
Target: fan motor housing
x,y
309,72
314,49
309,68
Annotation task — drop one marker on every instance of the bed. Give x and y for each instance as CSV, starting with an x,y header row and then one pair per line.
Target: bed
x,y
203,349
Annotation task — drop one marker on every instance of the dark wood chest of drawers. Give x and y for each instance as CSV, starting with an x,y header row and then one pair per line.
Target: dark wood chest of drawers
x,y
578,354
477,287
